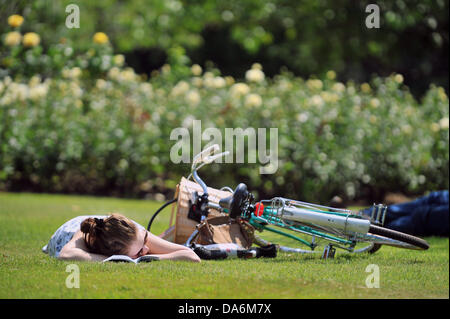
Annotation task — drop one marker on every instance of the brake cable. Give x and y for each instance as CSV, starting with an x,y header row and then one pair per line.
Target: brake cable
x,y
159,210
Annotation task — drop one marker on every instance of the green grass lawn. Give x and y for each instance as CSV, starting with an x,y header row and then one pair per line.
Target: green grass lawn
x,y
28,220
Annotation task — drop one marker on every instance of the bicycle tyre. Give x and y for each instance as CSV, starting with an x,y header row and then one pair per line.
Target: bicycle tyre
x,y
396,235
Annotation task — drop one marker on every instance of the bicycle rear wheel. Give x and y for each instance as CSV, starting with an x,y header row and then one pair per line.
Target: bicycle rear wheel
x,y
402,237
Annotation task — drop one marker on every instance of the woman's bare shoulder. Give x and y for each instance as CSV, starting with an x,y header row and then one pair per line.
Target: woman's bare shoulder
x,y
77,241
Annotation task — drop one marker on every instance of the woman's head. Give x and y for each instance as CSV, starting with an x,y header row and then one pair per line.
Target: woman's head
x,y
110,236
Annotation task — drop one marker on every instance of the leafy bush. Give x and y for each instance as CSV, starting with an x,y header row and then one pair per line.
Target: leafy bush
x,y
307,37
86,123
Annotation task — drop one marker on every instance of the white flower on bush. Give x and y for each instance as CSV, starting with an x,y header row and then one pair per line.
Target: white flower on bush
x,y
329,97
435,127
196,69
197,81
72,73
76,90
127,75
314,84
253,100
443,123
114,73
254,75
274,102
13,38
180,88
37,92
316,100
193,97
338,87
188,121
219,82
17,92
374,103
100,84
119,59
407,129
239,89
208,79
146,88
35,80
302,117
398,78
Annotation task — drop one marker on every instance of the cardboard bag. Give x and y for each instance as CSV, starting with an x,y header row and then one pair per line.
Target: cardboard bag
x,y
223,230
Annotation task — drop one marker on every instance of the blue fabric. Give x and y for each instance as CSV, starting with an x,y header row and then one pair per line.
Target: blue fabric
x,y
425,216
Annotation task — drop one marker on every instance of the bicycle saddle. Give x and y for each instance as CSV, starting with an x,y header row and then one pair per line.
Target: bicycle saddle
x,y
234,203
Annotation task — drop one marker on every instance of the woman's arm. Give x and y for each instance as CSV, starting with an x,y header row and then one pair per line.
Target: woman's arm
x,y
188,255
166,250
76,249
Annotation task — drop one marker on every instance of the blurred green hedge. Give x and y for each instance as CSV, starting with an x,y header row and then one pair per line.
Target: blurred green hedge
x,y
307,37
86,123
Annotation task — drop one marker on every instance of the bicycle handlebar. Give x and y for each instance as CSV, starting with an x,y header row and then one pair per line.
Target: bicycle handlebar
x,y
200,157
205,157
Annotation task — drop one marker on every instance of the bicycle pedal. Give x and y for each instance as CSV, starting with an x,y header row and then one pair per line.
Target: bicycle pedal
x,y
328,252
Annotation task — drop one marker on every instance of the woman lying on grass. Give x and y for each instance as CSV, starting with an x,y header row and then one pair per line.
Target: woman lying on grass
x,y
94,238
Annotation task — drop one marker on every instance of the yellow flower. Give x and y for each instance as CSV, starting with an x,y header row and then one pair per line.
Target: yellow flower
x,y
229,80
365,87
100,38
31,39
441,93
13,38
331,75
15,20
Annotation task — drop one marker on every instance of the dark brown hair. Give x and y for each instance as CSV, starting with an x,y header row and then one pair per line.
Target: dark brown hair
x,y
110,236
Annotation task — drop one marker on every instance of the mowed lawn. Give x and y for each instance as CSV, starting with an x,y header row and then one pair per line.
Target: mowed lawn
x,y
28,220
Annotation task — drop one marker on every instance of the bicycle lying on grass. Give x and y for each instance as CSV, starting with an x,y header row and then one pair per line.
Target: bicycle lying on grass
x,y
306,223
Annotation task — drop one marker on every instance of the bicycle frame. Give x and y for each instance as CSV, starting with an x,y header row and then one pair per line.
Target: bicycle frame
x,y
311,221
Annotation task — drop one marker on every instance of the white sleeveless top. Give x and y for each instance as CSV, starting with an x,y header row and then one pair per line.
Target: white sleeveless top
x,y
65,233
